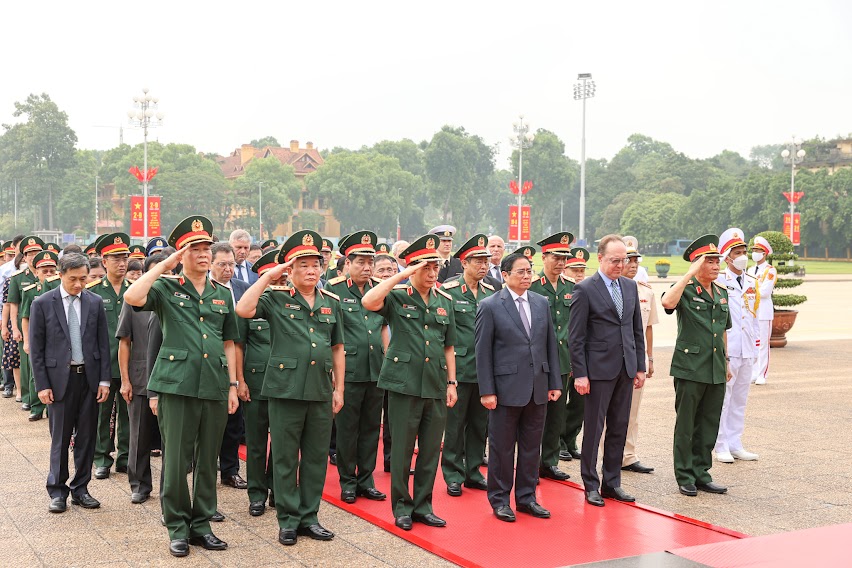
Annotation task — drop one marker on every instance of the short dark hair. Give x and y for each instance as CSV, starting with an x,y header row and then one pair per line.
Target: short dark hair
x,y
255,246
604,242
74,260
341,262
134,265
16,239
383,257
72,248
222,246
508,263
96,262
154,259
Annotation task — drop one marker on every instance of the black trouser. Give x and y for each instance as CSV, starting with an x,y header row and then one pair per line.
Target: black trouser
x,y
78,411
608,402
229,457
139,454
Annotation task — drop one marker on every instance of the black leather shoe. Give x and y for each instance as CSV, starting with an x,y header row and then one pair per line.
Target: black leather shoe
x,y
594,498
429,519
35,417
85,500
316,532
565,455
272,501
332,459
689,490
505,513
101,473
553,472
179,547
257,508
208,542
347,496
57,505
574,454
372,494
217,517
618,494
25,407
403,522
235,481
287,537
480,484
637,467
534,509
138,498
454,489
121,469
711,488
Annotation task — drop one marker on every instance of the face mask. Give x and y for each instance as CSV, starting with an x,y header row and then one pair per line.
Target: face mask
x,y
757,256
741,262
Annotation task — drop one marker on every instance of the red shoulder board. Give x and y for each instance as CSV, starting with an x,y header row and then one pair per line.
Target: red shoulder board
x,y
464,287
544,280
219,302
325,310
698,289
442,312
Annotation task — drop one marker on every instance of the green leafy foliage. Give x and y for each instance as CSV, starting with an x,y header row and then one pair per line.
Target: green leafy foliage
x,y
784,260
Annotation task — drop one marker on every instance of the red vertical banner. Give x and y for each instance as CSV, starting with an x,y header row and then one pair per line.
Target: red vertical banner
x,y
796,227
525,223
513,222
154,228
137,215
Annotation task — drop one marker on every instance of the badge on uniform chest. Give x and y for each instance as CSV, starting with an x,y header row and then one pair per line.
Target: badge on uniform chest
x,y
349,300
567,296
105,300
184,296
409,307
442,312
326,311
218,302
723,301
293,306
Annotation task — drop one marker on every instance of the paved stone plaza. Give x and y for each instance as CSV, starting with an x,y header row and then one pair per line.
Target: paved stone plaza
x,y
798,423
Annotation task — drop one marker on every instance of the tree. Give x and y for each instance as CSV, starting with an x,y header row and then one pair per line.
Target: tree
x,y
76,207
37,153
280,189
654,218
265,141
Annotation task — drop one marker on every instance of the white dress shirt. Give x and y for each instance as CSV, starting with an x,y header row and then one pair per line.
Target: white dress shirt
x,y
525,304
78,309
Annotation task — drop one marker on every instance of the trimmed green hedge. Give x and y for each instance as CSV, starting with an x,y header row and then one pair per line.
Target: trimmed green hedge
x,y
781,258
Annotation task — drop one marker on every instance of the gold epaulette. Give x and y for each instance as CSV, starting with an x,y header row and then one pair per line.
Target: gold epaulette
x,y
451,285
401,287
325,292
94,283
718,287
30,287
376,280
645,284
337,280
53,278
173,276
487,285
444,294
569,279
279,288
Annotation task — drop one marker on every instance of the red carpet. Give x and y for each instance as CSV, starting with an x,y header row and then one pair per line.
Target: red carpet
x,y
824,547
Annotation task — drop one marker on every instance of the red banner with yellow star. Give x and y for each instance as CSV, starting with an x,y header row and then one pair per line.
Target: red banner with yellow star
x,y
137,216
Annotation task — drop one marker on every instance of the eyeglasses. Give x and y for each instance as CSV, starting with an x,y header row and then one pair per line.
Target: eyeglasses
x,y
230,265
527,272
618,260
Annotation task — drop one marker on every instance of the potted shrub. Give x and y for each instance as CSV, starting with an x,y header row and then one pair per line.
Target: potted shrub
x,y
784,260
663,266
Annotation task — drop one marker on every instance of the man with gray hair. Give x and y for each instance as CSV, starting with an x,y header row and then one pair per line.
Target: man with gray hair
x,y
240,241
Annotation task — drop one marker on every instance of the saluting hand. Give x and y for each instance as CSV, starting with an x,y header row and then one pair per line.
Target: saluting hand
x,y
278,271
175,258
412,268
696,265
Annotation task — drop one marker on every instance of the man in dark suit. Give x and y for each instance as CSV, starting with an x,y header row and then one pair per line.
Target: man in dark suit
x,y
222,271
517,366
240,242
69,378
497,247
607,342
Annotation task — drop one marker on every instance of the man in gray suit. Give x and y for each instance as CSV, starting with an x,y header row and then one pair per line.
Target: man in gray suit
x,y
607,342
69,351
517,367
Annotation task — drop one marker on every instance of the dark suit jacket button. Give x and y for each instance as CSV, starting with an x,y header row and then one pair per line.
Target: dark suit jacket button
x,y
531,364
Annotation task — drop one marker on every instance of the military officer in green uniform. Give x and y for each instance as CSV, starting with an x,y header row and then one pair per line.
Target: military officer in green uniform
x,y
137,252
44,266
268,244
419,373
575,270
328,260
194,377
28,248
303,381
699,364
359,421
551,284
114,248
253,351
464,438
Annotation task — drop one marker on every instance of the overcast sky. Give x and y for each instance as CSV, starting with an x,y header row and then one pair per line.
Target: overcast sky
x,y
703,76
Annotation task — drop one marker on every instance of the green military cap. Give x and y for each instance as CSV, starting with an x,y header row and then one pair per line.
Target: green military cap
x,y
578,258
528,251
113,243
475,246
383,248
326,245
557,243
708,245
137,252
267,261
155,245
29,244
89,249
9,247
45,258
422,249
194,229
299,244
268,243
359,242
52,247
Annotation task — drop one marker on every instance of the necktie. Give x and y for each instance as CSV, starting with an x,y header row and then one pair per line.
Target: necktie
x,y
497,275
616,297
240,268
740,280
524,319
74,331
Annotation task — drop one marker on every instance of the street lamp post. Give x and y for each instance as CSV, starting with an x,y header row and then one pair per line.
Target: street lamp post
x,y
398,227
145,117
260,208
582,91
96,205
793,154
521,139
